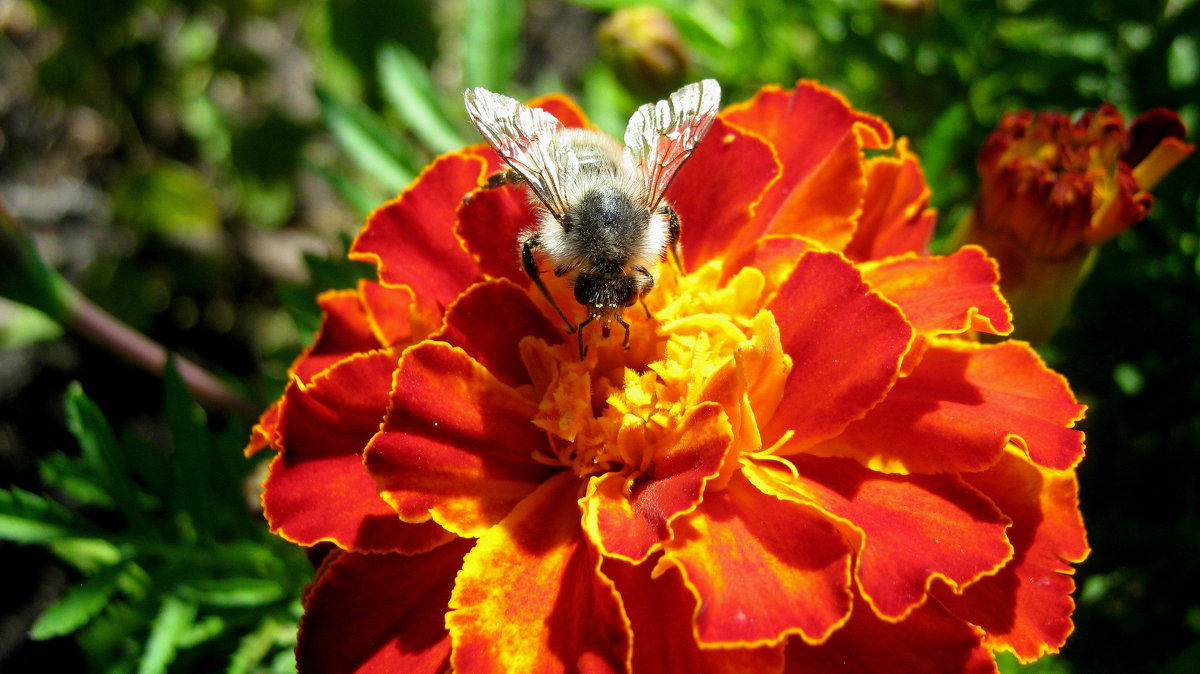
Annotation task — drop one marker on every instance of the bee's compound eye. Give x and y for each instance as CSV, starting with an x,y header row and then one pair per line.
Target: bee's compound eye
x,y
586,287
626,291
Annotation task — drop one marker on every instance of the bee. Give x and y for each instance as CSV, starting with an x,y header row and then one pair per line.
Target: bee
x,y
601,218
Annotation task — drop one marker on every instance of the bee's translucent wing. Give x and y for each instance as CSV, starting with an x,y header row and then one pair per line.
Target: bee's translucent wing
x,y
522,136
661,136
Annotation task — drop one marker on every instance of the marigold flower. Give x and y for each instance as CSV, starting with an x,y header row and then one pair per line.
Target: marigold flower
x,y
1053,189
803,458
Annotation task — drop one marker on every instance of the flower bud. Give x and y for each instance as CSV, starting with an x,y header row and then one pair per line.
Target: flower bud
x,y
645,49
1052,190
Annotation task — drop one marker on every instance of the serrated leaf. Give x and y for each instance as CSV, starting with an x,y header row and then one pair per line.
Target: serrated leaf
x,y
369,143
26,517
175,617
79,605
191,472
409,89
231,592
207,628
99,447
76,479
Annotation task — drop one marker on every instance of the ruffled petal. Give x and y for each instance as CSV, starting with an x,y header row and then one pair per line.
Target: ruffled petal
x,y
629,520
457,444
819,139
564,108
489,223
929,640
408,238
317,489
489,321
262,434
911,529
531,598
660,610
896,217
368,613
389,313
715,203
958,410
1026,607
943,295
345,330
846,343
746,556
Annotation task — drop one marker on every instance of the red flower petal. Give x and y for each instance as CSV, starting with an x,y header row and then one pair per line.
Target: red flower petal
x,y
929,640
944,295
489,321
716,189
457,443
960,407
896,217
409,237
775,256
845,341
633,525
530,596
317,489
660,610
562,107
388,312
912,529
263,432
370,613
748,556
489,223
1026,607
345,330
819,139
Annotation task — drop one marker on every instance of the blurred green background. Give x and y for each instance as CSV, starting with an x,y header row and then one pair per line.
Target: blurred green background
x,y
197,169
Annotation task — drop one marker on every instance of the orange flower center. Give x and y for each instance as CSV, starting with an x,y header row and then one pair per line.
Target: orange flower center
x,y
617,410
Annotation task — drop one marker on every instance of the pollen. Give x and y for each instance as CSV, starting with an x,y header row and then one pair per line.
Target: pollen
x,y
618,409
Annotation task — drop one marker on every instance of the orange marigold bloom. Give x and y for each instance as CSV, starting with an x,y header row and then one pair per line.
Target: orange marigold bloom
x,y
1053,189
802,459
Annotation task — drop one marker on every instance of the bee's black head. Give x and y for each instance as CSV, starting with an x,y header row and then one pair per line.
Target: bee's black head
x,y
606,294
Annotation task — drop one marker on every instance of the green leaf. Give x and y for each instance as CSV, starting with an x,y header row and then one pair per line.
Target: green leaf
x,y
26,277
28,518
100,449
191,473
76,479
369,143
938,150
256,645
173,622
410,91
232,592
492,35
79,605
171,199
22,325
361,200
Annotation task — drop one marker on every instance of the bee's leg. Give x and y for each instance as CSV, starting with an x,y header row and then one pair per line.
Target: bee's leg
x,y
582,348
505,176
673,236
528,245
625,325
646,286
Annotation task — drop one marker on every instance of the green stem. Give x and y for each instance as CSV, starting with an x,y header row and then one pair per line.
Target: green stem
x,y
34,283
